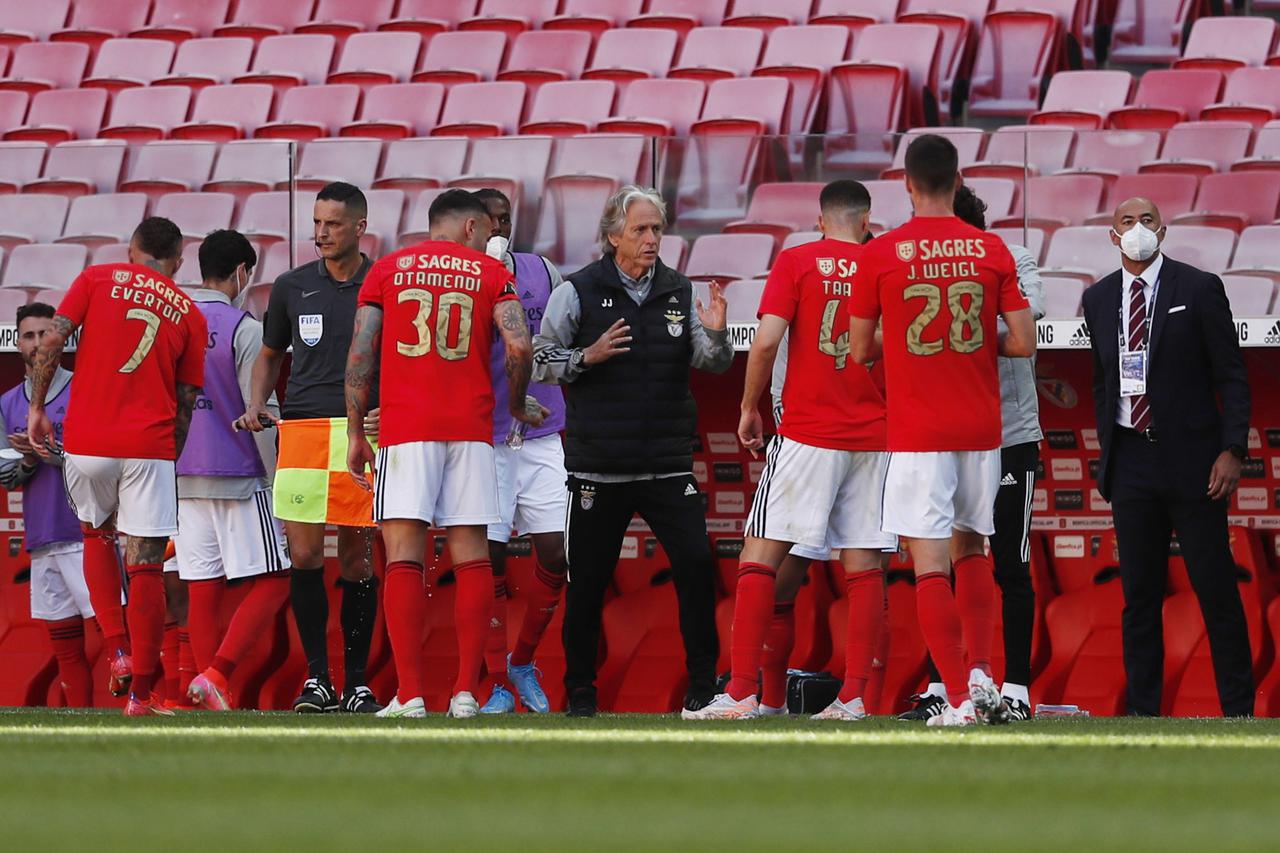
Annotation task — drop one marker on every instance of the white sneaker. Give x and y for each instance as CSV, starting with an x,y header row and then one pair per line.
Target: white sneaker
x,y
415,709
849,712
987,701
463,706
770,711
953,716
725,707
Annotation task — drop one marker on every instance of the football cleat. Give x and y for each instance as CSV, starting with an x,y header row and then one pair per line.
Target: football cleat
x,y
927,706
582,702
770,711
725,707
463,706
1019,711
953,716
414,709
500,701
848,712
149,707
208,690
987,701
361,701
525,680
121,673
317,697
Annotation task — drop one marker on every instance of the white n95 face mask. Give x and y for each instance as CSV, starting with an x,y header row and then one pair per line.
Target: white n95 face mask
x,y
1138,243
496,247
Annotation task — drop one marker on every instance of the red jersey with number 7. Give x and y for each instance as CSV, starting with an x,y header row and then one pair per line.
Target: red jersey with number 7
x,y
139,337
828,400
437,300
939,284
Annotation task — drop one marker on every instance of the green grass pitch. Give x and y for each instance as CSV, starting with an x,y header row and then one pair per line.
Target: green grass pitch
x,y
250,781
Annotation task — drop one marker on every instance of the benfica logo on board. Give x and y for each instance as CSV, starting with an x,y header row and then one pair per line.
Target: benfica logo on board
x,y
907,251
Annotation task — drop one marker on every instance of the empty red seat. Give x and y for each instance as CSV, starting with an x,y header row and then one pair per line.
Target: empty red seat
x,y
386,209
915,48
658,108
1081,251
890,204
682,15
398,110
25,21
251,165
31,219
1043,148
1235,200
1172,193
44,265
618,157
1065,199
968,141
209,61
730,256
768,15
452,58
546,56
569,107
429,17
744,302
998,193
145,114
1266,150
1146,32
803,55
1252,95
326,160
594,16
854,13
40,66
293,60
1063,296
518,166
1086,666
1257,250
1228,43
124,63
344,18
510,17
103,218
482,109
865,102
958,40
1201,246
223,113
62,114
1031,239
672,249
266,215
1165,98
310,112
715,53
416,223
170,167
179,20
20,163
414,165
623,55
644,671
197,214
569,214
1250,295
13,109
1114,152
371,59
1201,147
777,209
1083,99
1015,52
82,167
257,19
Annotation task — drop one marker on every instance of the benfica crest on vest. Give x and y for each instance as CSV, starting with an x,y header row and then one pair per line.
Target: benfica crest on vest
x,y
587,497
675,323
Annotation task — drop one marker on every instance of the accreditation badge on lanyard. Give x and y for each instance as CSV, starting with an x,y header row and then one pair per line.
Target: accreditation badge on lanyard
x,y
1134,362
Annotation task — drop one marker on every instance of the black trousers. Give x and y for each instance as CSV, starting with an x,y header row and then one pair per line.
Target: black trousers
x,y
1148,508
598,517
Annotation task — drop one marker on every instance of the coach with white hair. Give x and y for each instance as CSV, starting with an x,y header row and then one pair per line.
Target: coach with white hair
x,y
621,338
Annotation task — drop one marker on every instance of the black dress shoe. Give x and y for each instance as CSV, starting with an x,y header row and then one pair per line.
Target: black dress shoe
x,y
582,702
699,695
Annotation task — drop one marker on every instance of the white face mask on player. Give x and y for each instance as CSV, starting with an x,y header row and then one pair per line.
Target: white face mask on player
x,y
496,247
242,286
1139,243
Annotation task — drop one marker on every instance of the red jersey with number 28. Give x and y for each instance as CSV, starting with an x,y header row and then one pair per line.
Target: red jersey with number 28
x,y
139,337
437,300
828,400
939,285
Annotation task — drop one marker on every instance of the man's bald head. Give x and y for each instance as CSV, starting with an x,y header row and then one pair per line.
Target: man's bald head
x,y
1134,210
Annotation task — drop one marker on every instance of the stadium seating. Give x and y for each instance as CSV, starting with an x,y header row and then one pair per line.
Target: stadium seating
x,y
778,209
249,166
257,19
458,57
1228,43
209,61
224,113
718,53
1083,99
31,219
94,21
179,20
103,218
398,110
20,163
517,166
326,160
1146,32
1257,250
1235,200
623,55
197,214
429,17
418,164
292,60
307,113
1201,147
729,256
344,18
570,107
63,114
543,57
682,15
1164,98
1201,246
1173,193
1250,295
122,63
146,114
482,109
41,66
657,108
372,59
804,55
80,168
593,16
1014,53
41,265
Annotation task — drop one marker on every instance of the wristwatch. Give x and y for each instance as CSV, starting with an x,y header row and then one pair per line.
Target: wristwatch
x,y
578,360
1238,452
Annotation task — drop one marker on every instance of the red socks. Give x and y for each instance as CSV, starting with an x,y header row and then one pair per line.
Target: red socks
x,y
778,644
751,617
186,663
204,619
67,636
495,641
940,624
169,661
543,599
472,606
879,662
404,602
146,624
252,619
102,577
866,611
976,600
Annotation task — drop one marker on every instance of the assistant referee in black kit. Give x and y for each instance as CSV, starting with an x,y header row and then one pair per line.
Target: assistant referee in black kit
x,y
622,336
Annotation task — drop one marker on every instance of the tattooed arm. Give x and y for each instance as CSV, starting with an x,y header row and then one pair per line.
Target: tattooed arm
x,y
362,362
510,319
44,366
187,395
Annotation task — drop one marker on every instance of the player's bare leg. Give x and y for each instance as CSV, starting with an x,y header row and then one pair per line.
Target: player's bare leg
x,y
757,579
103,578
144,563
975,594
864,581
781,636
940,624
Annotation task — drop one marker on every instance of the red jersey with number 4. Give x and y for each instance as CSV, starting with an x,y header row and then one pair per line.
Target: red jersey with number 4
x,y
828,400
437,300
939,285
139,337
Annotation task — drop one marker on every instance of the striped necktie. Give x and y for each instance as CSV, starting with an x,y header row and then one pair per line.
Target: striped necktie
x,y
1141,408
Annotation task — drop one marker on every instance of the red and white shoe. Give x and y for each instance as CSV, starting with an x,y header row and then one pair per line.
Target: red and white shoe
x,y
849,712
953,716
121,673
149,707
725,707
209,690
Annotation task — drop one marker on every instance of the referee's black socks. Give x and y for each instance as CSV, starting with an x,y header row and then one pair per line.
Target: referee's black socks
x,y
311,612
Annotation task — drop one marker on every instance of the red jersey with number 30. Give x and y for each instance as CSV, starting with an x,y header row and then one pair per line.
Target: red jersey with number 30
x,y
139,337
828,400
939,285
437,300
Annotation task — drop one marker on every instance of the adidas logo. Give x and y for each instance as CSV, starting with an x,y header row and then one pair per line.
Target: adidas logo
x,y
528,294
673,299
1272,337
1009,480
1081,336
690,490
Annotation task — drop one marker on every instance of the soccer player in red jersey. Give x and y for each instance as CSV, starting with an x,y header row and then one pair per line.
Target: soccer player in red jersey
x,y
139,369
825,470
434,307
939,285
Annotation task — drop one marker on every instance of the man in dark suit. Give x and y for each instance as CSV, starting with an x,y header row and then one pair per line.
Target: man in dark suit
x,y
1164,354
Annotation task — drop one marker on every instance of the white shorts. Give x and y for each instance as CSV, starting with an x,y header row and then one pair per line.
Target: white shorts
x,y
446,483
58,590
532,497
926,495
141,493
229,538
804,552
820,498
